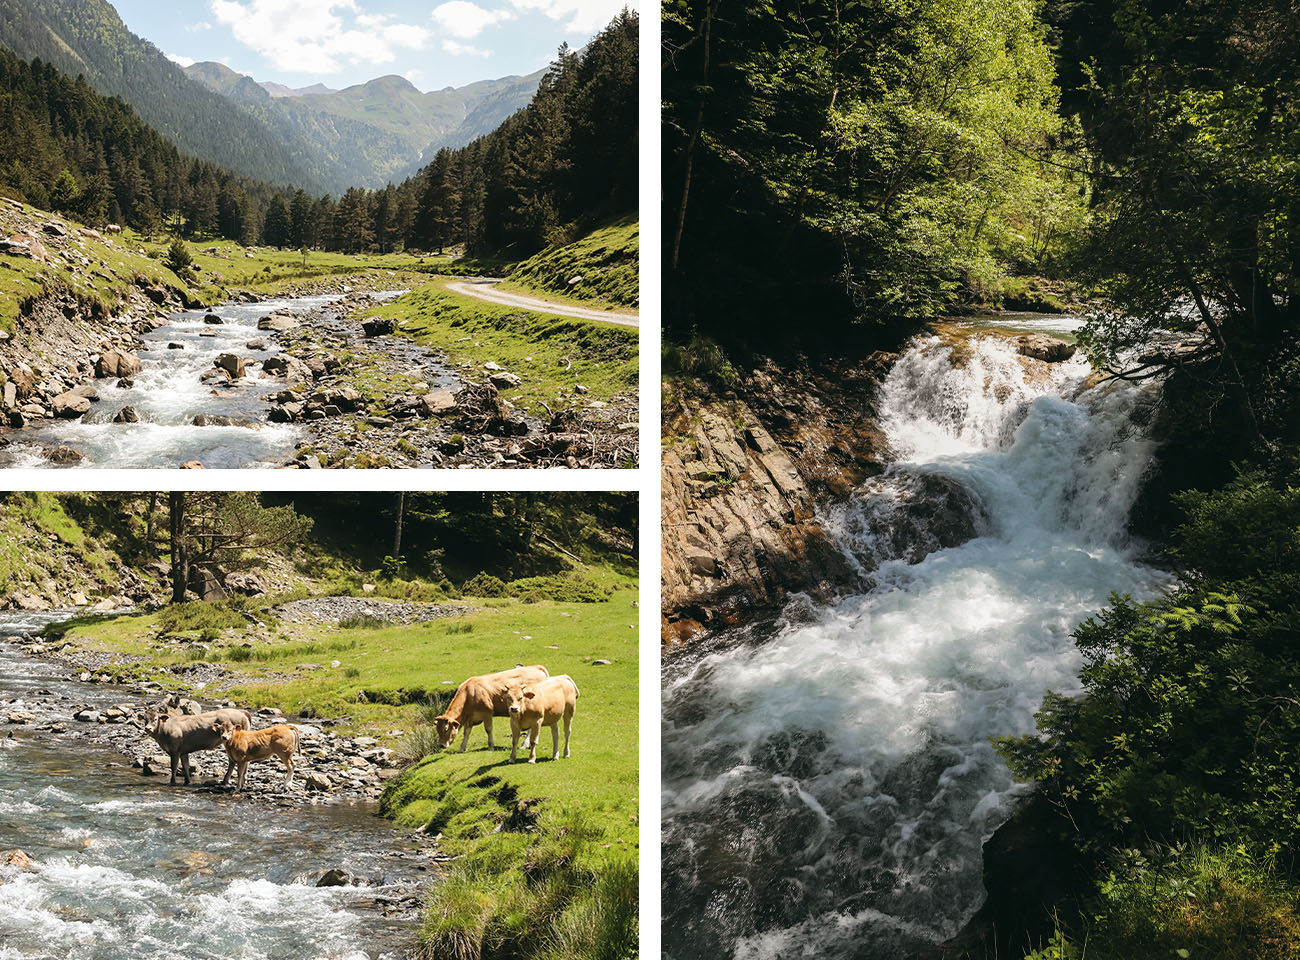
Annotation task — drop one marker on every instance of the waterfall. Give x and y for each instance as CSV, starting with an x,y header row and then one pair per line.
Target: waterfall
x,y
829,779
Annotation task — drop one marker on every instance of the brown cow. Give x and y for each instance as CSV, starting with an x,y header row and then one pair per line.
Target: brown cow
x,y
244,747
479,699
544,704
180,735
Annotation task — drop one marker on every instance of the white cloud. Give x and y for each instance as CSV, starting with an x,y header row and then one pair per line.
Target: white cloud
x,y
198,27
465,20
415,76
577,16
312,36
458,49
176,58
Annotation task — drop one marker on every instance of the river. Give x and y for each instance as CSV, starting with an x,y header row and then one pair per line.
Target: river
x,y
828,778
126,866
168,394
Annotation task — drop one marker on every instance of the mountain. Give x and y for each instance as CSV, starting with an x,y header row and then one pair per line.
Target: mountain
x,y
375,132
88,38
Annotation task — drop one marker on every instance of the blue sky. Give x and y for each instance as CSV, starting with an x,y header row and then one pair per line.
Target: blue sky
x,y
343,42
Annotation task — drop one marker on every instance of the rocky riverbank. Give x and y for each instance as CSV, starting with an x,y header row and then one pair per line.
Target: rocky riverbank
x,y
744,469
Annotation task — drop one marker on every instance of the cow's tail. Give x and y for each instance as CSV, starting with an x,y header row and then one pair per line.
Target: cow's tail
x,y
249,717
576,692
297,740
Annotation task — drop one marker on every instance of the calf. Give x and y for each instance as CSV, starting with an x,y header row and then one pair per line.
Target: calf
x,y
479,699
246,746
180,735
544,704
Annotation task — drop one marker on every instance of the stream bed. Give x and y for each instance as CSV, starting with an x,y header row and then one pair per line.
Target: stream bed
x,y
829,778
126,866
168,394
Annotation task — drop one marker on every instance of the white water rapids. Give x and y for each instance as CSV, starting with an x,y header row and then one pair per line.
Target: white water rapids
x,y
829,780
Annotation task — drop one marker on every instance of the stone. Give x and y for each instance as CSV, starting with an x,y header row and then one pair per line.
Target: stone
x,y
213,319
21,717
115,363
335,878
701,562
192,465
436,403
16,858
1040,346
70,405
504,381
23,379
579,388
17,420
348,398
280,415
126,383
10,395
232,364
86,715
217,420
378,326
278,322
600,663
256,344
249,584
127,414
215,375
55,229
175,346
86,390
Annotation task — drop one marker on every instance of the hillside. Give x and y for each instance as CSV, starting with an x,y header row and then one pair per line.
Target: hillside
x,y
88,38
373,132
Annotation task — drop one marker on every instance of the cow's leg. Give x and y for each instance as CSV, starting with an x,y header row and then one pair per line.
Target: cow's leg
x,y
568,728
243,771
534,735
514,739
288,762
185,764
487,725
464,741
175,758
230,765
555,741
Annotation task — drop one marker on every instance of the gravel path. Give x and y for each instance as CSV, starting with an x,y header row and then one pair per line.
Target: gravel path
x,y
486,290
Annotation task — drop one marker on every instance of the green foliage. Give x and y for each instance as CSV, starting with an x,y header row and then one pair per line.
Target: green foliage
x,y
607,260
483,585
179,261
568,587
864,160
196,615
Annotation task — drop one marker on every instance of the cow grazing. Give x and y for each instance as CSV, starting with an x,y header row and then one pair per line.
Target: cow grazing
x,y
181,734
542,704
248,746
479,699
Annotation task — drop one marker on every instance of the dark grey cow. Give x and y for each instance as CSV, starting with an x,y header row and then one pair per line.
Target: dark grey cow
x,y
180,735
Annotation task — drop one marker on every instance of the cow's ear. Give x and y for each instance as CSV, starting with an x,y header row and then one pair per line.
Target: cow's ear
x,y
455,724
529,694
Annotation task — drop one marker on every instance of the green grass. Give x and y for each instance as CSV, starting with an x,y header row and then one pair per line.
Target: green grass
x,y
39,537
551,354
607,259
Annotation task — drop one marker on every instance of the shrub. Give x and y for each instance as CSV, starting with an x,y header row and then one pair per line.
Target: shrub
x,y
569,587
363,621
198,615
484,585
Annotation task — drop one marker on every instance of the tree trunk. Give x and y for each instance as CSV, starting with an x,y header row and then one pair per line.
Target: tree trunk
x,y
694,139
180,553
397,527
149,546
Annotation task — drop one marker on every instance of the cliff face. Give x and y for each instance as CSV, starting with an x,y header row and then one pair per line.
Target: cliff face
x,y
743,471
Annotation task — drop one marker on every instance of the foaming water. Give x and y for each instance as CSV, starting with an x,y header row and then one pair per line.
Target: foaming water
x,y
126,866
828,779
167,395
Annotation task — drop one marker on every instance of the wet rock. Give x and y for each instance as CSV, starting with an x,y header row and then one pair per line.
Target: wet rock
x,y
335,878
1040,346
70,405
21,717
126,383
215,375
64,455
192,465
212,319
232,364
16,858
315,780
17,420
258,344
175,346
218,420
378,326
114,363
86,390
127,414
86,715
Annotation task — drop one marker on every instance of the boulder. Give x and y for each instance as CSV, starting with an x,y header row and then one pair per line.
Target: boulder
x,y
346,398
232,364
192,465
218,420
335,878
277,322
175,346
126,383
378,326
23,379
127,414
114,363
249,584
1042,347
10,395
436,403
256,344
215,375
503,380
70,405
213,319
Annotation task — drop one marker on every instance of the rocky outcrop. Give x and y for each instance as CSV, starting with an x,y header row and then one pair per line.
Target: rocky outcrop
x,y
743,472
1042,347
115,363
